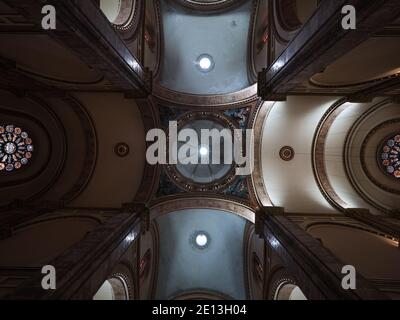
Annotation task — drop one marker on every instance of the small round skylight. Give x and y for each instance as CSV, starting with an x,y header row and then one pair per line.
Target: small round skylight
x,y
205,63
200,240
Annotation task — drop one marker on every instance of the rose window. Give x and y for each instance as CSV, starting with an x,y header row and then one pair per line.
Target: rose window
x,y
16,148
390,156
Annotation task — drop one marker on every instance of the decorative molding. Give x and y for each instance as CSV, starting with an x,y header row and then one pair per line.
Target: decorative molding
x,y
165,96
91,149
125,271
151,174
156,257
387,225
183,182
121,149
89,134
129,30
252,42
160,52
356,84
318,155
346,157
65,84
210,6
257,180
278,278
287,153
378,159
201,295
172,184
202,202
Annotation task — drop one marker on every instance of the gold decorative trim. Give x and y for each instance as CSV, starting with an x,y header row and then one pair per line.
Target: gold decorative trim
x,y
213,203
318,155
210,6
257,180
222,101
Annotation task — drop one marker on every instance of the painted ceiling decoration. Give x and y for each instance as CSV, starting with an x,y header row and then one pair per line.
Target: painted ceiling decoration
x,y
122,149
179,179
287,153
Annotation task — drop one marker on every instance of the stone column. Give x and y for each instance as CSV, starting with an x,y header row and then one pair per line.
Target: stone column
x,y
316,270
81,270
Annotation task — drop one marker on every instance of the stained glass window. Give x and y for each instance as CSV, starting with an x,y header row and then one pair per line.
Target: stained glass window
x,y
390,156
16,148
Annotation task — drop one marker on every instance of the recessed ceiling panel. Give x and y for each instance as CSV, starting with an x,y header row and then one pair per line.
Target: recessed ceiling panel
x,y
201,249
204,54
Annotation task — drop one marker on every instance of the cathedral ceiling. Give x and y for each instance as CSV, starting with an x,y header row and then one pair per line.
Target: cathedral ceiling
x,y
204,55
186,266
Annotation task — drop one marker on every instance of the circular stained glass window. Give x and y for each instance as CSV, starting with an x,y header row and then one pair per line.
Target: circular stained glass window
x,y
389,156
16,148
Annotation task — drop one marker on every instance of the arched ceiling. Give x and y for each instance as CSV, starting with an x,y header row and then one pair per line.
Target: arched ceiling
x,y
184,268
293,124
117,179
375,59
187,35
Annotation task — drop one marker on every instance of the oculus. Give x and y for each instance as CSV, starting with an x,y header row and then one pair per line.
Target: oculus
x,y
205,63
200,240
208,171
389,156
16,148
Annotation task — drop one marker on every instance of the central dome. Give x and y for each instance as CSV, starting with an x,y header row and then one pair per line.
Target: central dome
x,y
204,173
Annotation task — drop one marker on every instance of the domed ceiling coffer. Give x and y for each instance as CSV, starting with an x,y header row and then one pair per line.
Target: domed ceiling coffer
x,y
200,175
